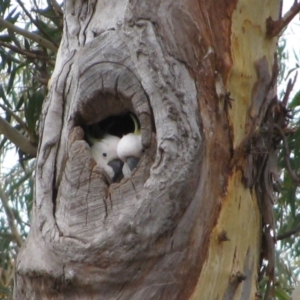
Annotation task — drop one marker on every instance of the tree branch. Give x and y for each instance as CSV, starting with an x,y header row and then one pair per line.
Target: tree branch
x,y
35,23
19,120
56,7
10,218
34,37
15,116
275,27
57,11
288,233
17,138
23,52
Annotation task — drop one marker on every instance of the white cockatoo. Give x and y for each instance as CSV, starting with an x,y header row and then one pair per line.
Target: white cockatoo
x,y
104,151
130,149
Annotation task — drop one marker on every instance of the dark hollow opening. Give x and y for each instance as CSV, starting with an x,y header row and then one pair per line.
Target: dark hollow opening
x,y
118,125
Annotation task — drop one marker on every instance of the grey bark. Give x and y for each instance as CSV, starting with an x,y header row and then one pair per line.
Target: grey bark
x,y
88,239
148,236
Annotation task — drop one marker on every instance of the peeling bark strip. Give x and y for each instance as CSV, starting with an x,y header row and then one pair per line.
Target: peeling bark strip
x,y
161,233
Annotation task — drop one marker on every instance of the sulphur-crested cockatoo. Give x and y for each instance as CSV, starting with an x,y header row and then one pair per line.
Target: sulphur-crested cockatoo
x,y
104,151
130,149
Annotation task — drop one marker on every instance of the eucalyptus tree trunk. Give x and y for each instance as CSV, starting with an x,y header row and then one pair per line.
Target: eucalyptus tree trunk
x,y
188,224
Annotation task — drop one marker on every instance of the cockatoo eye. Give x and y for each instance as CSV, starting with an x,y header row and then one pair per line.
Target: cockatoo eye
x,y
104,154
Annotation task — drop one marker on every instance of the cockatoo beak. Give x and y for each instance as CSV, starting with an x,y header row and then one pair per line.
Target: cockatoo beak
x,y
117,165
132,162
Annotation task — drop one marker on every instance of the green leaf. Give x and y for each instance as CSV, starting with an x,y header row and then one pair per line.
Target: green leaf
x,y
2,95
295,101
11,18
11,80
4,5
26,44
13,36
20,102
33,109
281,294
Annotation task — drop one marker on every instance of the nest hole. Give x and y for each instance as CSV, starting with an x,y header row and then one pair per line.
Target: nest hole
x,y
106,114
118,125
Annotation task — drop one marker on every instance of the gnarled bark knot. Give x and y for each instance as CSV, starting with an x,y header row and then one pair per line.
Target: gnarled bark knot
x,y
81,218
105,81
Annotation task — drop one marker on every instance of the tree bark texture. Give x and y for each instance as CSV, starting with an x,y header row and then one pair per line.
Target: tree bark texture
x,y
188,223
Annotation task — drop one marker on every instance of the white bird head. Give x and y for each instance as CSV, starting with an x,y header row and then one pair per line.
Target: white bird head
x,y
104,151
130,145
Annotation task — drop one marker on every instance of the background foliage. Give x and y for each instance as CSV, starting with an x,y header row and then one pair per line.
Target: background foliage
x,y
30,34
